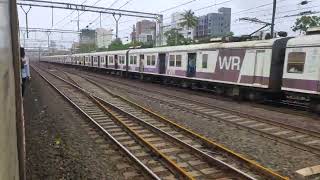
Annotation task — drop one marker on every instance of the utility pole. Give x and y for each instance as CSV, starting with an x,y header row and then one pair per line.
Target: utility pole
x,y
117,24
26,13
273,17
100,20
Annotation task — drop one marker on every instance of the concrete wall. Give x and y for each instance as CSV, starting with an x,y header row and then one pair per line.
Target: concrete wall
x,y
9,164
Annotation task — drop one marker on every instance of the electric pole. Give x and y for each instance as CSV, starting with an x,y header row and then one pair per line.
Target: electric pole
x,y
273,17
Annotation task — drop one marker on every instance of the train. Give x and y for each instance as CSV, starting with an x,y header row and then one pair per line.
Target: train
x,y
278,69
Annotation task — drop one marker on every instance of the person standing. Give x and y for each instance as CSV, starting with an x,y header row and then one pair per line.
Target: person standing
x,y
23,70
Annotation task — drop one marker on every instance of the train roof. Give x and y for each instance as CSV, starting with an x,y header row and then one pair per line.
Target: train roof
x,y
219,45
216,45
307,40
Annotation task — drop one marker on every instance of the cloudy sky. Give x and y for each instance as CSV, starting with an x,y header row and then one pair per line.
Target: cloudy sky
x,y
64,19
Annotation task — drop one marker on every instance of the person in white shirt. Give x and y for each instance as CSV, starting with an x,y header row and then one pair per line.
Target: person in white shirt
x,y
27,66
24,74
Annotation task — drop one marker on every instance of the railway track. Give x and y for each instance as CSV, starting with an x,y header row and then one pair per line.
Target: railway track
x,y
294,136
161,154
197,156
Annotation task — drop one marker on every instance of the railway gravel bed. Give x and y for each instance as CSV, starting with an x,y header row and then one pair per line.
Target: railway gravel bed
x,y
280,157
182,162
288,116
59,142
291,135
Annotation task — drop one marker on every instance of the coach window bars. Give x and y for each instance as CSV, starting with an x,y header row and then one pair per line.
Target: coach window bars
x,y
134,59
204,61
111,59
153,60
178,60
131,60
296,62
148,60
172,60
102,59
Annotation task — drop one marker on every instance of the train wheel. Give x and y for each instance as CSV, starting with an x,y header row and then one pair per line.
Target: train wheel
x,y
220,91
315,107
255,96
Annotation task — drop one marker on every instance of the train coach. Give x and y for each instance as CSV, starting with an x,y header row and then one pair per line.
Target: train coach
x,y
250,69
301,72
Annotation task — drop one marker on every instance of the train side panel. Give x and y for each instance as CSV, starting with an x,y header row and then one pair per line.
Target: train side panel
x,y
302,65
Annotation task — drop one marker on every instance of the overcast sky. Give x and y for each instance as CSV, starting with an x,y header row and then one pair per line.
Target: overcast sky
x,y
41,17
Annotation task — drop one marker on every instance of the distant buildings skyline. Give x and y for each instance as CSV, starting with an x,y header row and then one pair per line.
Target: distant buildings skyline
x,y
214,24
144,31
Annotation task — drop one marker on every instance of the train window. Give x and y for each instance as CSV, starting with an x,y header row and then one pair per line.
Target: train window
x,y
204,61
95,59
131,59
122,59
296,62
148,60
134,59
178,60
172,60
111,59
153,60
102,59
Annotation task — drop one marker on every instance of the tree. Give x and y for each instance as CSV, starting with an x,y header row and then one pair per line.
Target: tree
x,y
87,47
116,45
305,22
174,38
189,20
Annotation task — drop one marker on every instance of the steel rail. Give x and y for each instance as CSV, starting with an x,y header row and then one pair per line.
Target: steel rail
x,y
125,150
252,117
265,171
204,155
283,140
172,165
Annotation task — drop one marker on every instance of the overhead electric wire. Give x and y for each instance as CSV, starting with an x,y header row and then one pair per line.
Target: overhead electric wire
x,y
127,2
68,15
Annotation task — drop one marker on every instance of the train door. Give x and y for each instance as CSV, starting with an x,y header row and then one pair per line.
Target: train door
x,y
98,61
192,62
162,63
91,61
116,61
107,61
141,63
258,67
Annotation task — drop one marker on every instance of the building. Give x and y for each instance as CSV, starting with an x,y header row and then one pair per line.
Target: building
x,y
176,19
103,37
87,36
144,31
100,37
214,24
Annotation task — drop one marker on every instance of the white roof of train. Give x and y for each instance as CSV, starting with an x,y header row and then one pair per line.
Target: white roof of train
x,y
307,40
243,44
260,43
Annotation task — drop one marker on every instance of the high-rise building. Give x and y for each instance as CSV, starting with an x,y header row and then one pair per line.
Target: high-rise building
x,y
87,36
100,37
176,19
144,31
214,24
103,37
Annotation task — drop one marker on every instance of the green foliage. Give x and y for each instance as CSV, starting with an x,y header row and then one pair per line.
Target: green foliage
x,y
305,22
86,48
174,38
229,34
116,45
189,20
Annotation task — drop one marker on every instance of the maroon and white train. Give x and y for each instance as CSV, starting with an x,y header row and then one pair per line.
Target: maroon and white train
x,y
254,69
